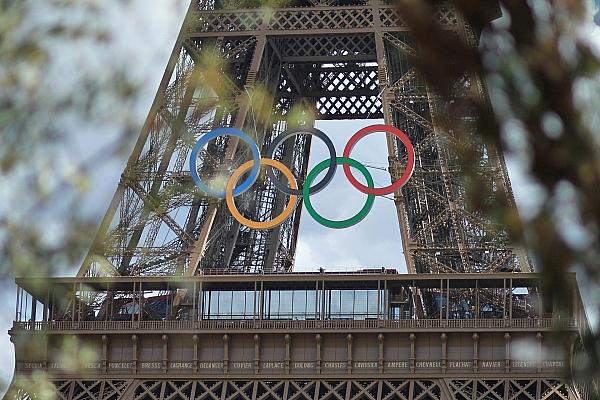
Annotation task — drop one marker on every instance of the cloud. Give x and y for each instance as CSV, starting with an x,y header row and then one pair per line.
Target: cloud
x,y
372,243
129,23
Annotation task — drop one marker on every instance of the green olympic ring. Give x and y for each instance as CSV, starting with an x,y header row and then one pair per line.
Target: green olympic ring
x,y
292,189
346,223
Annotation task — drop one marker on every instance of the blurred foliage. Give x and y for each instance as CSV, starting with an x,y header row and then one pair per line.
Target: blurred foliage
x,y
36,174
542,72
63,114
68,352
69,103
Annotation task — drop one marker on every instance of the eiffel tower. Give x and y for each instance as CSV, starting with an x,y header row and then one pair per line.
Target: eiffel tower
x,y
178,300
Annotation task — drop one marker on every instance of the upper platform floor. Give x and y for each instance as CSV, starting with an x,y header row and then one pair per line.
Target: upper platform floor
x,y
374,299
367,324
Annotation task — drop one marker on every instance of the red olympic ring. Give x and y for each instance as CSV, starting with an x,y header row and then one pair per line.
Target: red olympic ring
x,y
410,167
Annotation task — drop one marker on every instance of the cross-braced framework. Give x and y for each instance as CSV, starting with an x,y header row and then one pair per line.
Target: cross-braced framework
x,y
334,60
369,389
409,389
342,335
236,64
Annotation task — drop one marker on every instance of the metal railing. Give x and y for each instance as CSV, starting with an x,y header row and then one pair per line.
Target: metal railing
x,y
520,323
329,271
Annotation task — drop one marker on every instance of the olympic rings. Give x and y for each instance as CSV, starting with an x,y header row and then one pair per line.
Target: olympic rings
x,y
258,224
222,132
232,189
347,222
332,160
407,172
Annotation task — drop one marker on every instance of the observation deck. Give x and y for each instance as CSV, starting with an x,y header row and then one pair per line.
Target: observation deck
x,y
367,323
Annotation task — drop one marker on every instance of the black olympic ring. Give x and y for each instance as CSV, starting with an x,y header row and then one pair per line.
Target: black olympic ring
x,y
293,132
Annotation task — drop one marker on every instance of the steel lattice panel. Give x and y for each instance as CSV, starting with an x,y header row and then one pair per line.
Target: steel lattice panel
x,y
309,389
237,66
343,77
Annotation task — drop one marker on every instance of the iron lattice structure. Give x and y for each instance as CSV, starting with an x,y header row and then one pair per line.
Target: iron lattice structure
x,y
423,336
492,389
337,59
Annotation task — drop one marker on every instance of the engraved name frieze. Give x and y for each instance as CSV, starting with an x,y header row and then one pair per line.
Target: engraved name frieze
x,y
120,365
273,365
57,365
150,365
303,365
523,364
396,364
181,365
492,364
31,365
334,364
553,364
210,365
241,365
460,364
365,364
428,364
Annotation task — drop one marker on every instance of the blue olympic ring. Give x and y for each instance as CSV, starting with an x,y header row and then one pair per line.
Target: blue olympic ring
x,y
247,183
292,189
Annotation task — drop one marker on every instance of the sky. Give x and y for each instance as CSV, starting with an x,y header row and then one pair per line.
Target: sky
x,y
373,242
144,38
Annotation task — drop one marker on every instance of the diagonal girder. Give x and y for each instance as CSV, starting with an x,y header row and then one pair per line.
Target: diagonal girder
x,y
155,206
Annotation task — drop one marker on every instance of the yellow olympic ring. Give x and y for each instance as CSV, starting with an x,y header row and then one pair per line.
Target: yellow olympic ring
x,y
235,177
